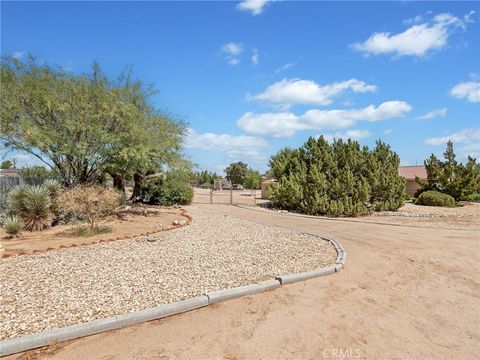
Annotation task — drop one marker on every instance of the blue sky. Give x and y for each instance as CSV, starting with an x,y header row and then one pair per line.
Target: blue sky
x,y
252,77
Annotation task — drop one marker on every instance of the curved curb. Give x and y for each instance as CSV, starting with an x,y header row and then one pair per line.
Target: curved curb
x,y
227,294
183,213
33,341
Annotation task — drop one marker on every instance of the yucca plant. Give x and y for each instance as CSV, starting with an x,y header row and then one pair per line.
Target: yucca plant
x,y
13,225
53,187
33,205
16,199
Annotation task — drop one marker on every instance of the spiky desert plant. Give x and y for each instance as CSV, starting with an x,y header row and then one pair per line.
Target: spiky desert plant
x,y
13,225
33,205
37,208
16,199
53,187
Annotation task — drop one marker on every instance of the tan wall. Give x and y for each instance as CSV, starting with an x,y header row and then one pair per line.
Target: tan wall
x,y
412,186
264,186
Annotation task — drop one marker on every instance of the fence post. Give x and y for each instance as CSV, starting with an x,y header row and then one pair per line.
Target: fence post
x,y
231,193
211,196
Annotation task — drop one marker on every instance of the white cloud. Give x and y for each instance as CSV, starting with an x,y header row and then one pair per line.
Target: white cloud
x,y
256,7
465,136
387,131
415,20
349,134
285,124
235,147
231,51
284,67
234,61
465,141
18,55
298,91
418,40
469,90
255,56
433,114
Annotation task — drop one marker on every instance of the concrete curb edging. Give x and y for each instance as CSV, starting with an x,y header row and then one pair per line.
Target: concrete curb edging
x,y
227,294
33,341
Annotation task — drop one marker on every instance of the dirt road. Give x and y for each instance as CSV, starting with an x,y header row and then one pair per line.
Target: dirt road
x,y
406,293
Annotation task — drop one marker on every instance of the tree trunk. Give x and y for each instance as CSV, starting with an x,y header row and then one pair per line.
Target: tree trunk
x,y
137,188
118,183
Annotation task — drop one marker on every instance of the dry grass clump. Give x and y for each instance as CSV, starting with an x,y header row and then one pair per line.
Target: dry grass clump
x,y
92,202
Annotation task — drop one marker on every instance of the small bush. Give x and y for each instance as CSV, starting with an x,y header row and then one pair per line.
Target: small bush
x,y
13,225
435,198
91,202
85,231
473,197
33,205
169,192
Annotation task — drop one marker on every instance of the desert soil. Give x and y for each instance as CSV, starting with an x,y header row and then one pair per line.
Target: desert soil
x,y
133,223
405,293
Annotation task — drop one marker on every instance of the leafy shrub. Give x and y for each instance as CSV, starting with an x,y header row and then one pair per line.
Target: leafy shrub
x,y
338,179
253,180
32,204
169,192
473,197
13,225
85,231
435,198
91,202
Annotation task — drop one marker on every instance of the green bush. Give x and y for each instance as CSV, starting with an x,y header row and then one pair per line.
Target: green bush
x,y
338,179
435,198
473,197
86,231
169,192
33,205
13,225
253,180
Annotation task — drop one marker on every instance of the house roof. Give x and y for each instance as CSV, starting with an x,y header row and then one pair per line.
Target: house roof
x,y
9,172
410,172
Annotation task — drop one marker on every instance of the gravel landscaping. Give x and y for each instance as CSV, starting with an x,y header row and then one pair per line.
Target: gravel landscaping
x,y
63,287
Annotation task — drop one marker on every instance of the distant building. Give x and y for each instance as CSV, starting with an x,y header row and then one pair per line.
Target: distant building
x,y
12,172
221,184
409,173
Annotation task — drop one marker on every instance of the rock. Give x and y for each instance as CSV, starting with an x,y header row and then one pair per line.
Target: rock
x,y
182,222
176,222
151,239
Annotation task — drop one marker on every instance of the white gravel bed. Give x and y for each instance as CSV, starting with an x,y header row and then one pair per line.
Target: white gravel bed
x,y
58,288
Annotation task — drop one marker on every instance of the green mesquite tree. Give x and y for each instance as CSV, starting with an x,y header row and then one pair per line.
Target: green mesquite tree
x,y
81,126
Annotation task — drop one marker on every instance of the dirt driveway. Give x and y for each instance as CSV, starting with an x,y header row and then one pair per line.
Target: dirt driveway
x,y
408,293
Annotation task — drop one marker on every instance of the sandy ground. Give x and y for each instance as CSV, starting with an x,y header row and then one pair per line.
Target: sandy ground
x,y
405,293
133,223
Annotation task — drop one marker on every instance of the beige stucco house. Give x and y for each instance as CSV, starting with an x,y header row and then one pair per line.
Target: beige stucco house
x,y
409,173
